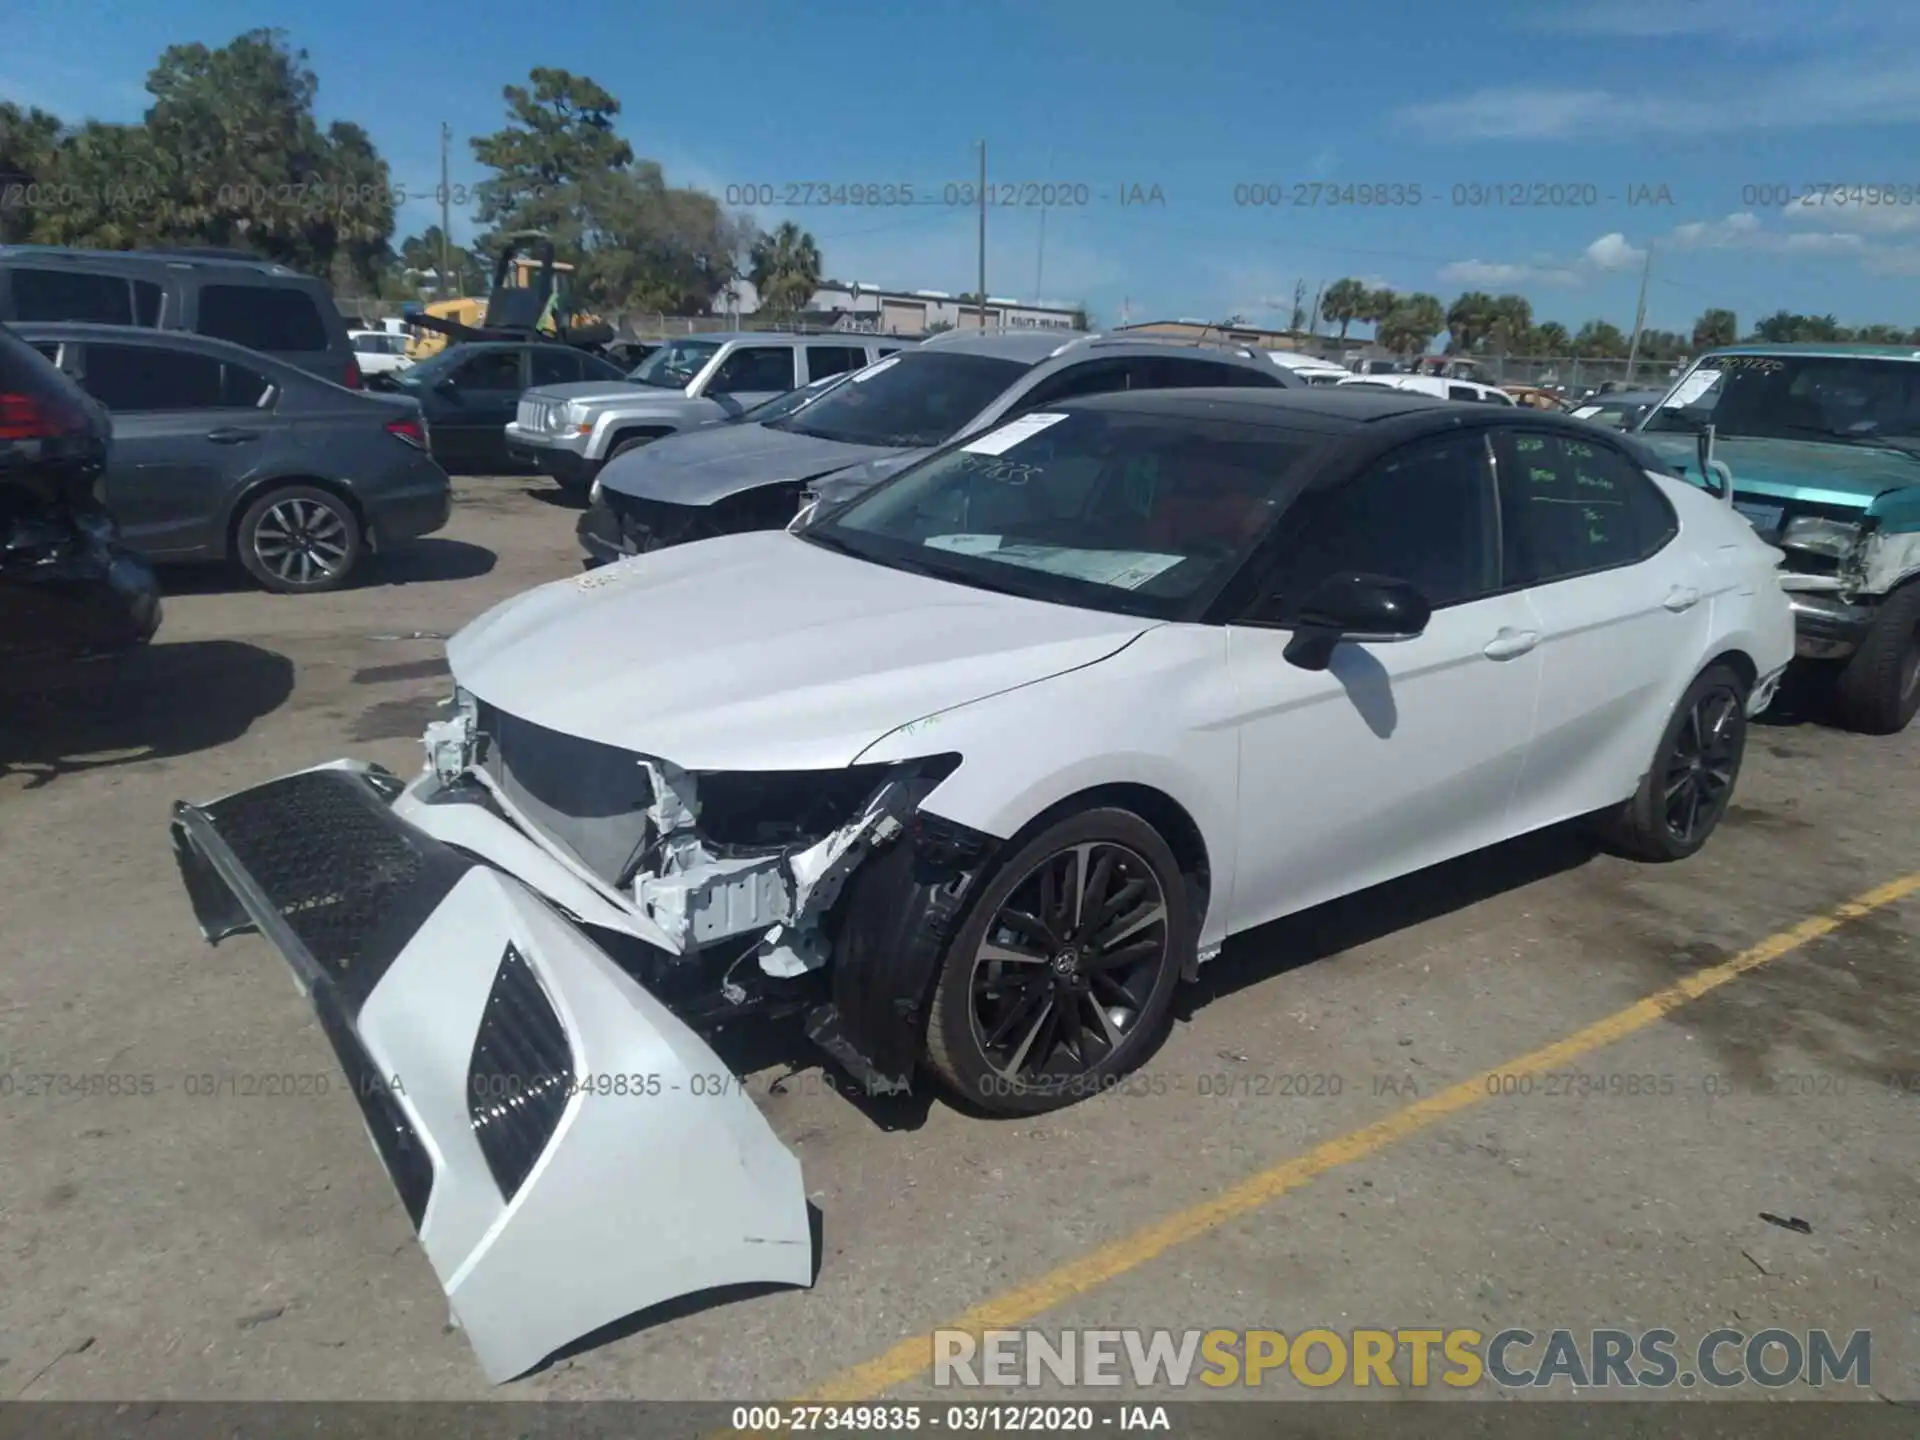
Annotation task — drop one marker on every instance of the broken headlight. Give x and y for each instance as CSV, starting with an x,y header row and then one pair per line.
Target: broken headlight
x,y
777,809
1820,536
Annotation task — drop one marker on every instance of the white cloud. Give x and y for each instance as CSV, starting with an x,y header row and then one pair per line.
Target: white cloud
x,y
1802,97
1612,252
1485,273
1844,209
1745,231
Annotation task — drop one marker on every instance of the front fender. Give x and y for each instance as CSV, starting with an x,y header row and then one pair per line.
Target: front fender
x,y
606,426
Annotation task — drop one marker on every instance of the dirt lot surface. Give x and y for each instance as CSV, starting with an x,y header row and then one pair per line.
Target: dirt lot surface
x,y
180,1245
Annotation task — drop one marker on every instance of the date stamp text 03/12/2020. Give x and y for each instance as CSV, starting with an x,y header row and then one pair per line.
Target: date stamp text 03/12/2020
x,y
1461,195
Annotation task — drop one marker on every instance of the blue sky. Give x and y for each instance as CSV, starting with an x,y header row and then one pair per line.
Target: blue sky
x,y
1612,101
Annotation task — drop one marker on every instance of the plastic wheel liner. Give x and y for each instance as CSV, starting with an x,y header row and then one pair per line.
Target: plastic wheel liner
x,y
568,1150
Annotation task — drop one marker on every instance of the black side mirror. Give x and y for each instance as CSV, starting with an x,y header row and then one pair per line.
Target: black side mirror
x,y
448,386
1369,608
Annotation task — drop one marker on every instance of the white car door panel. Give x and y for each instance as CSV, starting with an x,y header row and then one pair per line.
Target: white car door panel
x,y
1621,633
1400,754
1395,757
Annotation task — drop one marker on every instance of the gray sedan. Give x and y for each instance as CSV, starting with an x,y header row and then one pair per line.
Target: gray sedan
x,y
223,453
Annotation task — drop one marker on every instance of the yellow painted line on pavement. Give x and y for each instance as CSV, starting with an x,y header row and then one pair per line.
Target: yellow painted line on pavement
x,y
1015,1307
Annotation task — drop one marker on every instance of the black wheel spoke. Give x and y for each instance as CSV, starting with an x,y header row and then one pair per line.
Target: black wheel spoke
x,y
1070,959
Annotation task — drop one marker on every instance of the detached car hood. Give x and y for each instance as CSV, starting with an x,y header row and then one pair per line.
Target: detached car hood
x,y
1808,470
762,651
704,466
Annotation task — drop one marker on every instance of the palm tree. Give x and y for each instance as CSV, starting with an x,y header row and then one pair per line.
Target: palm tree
x,y
1411,325
1468,320
1600,340
1551,338
1715,328
1779,327
1379,305
785,269
1512,328
1344,303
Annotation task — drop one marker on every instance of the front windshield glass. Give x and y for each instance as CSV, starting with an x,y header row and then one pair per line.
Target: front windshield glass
x,y
1845,398
673,365
907,401
1142,514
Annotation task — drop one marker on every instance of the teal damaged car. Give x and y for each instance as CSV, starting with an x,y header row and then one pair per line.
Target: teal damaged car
x,y
1823,446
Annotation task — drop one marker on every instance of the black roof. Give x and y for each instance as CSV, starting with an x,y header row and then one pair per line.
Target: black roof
x,y
1343,406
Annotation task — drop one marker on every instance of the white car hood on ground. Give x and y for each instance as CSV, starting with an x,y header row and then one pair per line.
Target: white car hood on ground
x,y
762,652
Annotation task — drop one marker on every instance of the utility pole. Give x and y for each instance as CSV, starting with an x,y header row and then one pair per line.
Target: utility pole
x,y
1639,315
1313,316
983,235
446,241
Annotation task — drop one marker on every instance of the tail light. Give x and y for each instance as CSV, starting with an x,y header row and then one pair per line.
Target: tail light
x,y
33,417
412,429
352,382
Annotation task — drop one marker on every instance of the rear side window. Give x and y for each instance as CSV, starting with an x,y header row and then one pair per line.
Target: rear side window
x,y
1098,377
274,318
825,360
150,377
1570,506
70,295
754,368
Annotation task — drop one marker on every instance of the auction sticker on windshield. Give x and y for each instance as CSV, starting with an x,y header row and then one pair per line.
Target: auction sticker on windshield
x,y
1003,439
1692,388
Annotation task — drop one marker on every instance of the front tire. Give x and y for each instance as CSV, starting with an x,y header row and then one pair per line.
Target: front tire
x,y
1687,788
1062,978
299,540
1878,691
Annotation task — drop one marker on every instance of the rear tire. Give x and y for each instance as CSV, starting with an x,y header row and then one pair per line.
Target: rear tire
x,y
299,540
1689,784
1878,690
1061,978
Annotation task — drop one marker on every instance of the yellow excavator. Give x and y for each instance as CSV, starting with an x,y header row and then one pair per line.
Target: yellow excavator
x,y
530,298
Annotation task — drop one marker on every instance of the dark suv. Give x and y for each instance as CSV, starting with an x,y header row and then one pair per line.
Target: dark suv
x,y
223,294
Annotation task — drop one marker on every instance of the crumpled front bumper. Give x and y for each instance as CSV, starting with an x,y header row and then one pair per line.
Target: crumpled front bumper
x,y
568,1150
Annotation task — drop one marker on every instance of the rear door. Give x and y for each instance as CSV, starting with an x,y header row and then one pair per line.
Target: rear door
x,y
188,430
1622,608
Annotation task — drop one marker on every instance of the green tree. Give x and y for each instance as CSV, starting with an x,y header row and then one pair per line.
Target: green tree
x,y
558,136
1412,323
1779,328
1511,330
1378,307
785,268
29,146
1714,328
1600,340
1880,335
655,247
1468,321
1344,303
1551,338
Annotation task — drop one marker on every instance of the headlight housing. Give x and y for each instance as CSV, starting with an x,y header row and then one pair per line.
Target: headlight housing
x,y
573,418
1821,536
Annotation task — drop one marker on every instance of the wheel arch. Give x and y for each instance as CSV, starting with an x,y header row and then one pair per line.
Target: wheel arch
x,y
619,433
1736,660
254,489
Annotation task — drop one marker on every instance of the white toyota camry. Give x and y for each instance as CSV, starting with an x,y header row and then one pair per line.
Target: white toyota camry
x,y
966,776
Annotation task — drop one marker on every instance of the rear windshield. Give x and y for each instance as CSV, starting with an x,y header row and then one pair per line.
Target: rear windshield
x,y
1141,514
907,401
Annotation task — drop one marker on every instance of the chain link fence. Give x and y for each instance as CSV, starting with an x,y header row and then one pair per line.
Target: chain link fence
x,y
1581,373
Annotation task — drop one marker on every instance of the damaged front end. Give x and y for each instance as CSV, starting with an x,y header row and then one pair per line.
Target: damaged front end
x,y
515,957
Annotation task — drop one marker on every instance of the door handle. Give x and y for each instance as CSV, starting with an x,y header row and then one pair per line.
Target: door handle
x,y
232,435
1681,597
1510,644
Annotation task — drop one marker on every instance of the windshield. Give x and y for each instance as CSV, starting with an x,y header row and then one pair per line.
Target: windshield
x,y
1141,514
1845,398
907,401
784,405
430,370
673,365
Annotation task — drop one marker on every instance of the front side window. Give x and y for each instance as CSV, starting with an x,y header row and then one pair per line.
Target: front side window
x,y
1844,398
262,317
495,370
1424,513
914,399
1568,507
1141,514
554,367
73,295
754,368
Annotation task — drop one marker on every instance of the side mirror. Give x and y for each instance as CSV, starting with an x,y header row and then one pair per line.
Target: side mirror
x,y
448,386
1372,609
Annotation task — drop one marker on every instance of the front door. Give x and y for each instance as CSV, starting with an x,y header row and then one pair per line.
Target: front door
x,y
468,422
1399,755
